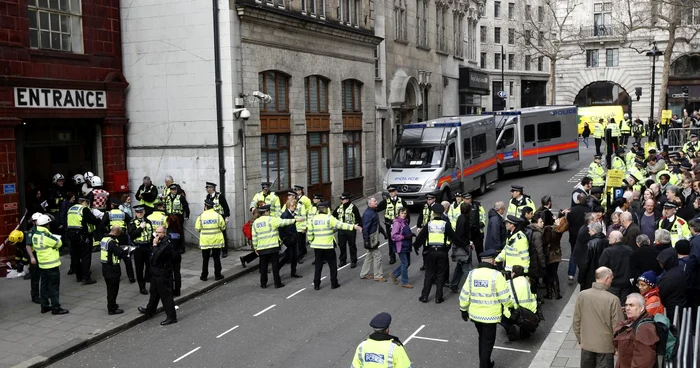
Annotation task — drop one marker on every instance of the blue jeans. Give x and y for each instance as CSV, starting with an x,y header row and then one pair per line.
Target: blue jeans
x,y
585,141
572,266
405,258
462,269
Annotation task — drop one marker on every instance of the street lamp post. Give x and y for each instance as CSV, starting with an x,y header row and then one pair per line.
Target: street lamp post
x,y
653,53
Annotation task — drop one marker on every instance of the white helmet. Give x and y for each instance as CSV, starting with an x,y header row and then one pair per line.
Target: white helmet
x,y
43,220
58,177
627,116
78,179
96,181
36,216
88,175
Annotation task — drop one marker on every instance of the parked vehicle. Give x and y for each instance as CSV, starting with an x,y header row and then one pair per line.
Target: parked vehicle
x,y
593,114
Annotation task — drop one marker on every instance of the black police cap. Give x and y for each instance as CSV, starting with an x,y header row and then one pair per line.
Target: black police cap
x,y
381,321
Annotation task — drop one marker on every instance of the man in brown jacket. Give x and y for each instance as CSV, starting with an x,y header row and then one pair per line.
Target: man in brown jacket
x,y
635,338
596,315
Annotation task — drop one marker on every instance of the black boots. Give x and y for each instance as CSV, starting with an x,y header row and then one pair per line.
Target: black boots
x,y
550,290
557,290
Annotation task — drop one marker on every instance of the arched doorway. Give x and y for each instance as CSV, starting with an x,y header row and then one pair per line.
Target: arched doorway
x,y
684,84
604,93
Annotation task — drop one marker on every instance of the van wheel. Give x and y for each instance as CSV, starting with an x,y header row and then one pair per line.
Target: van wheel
x,y
482,186
445,195
553,165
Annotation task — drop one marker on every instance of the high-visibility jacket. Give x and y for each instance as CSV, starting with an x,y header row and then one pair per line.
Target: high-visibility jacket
x,y
146,233
306,202
347,216
483,219
523,291
485,296
597,173
625,127
303,213
380,354
515,207
516,252
210,226
217,203
638,173
454,212
46,246
629,159
75,217
436,233
618,164
321,229
117,217
427,211
105,253
679,229
309,215
614,130
158,218
689,144
265,233
173,205
598,131
392,209
270,199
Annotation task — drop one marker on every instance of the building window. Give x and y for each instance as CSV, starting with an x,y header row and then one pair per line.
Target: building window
x,y
511,36
497,60
612,57
440,28
472,40
352,154
528,12
510,88
314,7
540,14
511,61
352,96
496,9
274,84
511,11
422,23
277,3
400,21
275,160
350,12
377,68
55,25
316,94
458,26
497,35
483,60
540,39
319,160
527,62
528,37
602,18
540,63
592,58
483,33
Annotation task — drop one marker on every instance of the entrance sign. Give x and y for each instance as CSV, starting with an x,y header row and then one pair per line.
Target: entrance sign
x,y
52,98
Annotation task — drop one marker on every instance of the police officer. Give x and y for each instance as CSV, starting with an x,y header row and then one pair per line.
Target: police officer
x,y
518,201
596,172
266,243
158,217
391,206
313,210
320,234
141,233
437,232
176,205
110,254
211,227
483,298
117,217
425,216
269,198
477,222
674,224
618,163
516,251
381,349
221,207
147,194
349,214
81,225
631,155
454,211
614,133
598,134
302,198
625,129
520,288
46,246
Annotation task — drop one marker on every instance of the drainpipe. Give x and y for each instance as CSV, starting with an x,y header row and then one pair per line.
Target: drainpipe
x,y
219,114
241,138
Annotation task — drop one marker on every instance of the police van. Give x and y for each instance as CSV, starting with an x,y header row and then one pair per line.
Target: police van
x,y
537,137
443,156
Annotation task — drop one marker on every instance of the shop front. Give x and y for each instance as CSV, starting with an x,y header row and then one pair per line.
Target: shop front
x,y
472,86
684,84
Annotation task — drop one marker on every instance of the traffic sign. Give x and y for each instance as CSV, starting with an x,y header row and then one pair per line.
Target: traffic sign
x,y
679,95
614,178
502,94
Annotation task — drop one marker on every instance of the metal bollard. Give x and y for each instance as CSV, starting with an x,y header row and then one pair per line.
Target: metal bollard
x,y
697,337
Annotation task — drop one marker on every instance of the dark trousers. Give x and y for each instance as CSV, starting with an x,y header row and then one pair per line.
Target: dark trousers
x,y
291,255
214,253
50,282
77,250
112,291
266,259
143,267
552,277
129,267
598,141
224,250
478,238
250,257
301,242
621,293
34,282
176,260
624,139
487,338
161,290
436,263
590,359
327,255
392,245
347,239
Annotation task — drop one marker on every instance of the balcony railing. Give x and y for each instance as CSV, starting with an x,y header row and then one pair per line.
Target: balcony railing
x,y
607,30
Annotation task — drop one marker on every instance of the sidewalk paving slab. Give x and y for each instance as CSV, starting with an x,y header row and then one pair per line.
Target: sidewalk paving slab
x,y
560,348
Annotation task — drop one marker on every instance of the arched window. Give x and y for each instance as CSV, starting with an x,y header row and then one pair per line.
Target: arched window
x,y
275,84
318,134
275,130
316,94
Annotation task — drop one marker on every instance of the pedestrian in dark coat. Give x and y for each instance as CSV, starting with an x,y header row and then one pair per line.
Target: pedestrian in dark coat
x,y
643,258
631,230
594,249
672,282
161,278
496,230
576,218
617,258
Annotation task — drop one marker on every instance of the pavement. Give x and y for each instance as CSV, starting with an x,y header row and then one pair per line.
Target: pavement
x,y
560,348
294,326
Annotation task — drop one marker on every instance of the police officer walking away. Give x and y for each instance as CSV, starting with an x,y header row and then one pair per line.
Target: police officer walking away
x,y
320,234
391,207
381,349
141,233
266,242
349,214
80,222
46,246
211,227
221,207
110,254
436,232
161,278
117,217
425,216
483,298
147,194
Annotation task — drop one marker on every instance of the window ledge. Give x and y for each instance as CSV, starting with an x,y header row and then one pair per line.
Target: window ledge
x,y
424,48
58,54
403,42
378,79
443,53
458,57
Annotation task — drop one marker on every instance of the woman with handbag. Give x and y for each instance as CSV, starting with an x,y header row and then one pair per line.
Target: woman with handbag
x,y
401,234
554,234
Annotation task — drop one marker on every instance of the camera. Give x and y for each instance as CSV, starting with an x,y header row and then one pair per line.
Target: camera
x,y
264,98
241,113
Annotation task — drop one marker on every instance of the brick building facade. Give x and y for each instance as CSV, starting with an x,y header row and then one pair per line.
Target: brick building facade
x,y
62,106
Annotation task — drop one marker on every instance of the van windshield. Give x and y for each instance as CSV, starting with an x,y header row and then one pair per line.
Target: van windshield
x,y
405,157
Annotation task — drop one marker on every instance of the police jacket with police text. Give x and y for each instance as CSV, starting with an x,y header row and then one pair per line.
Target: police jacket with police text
x,y
449,235
381,350
111,269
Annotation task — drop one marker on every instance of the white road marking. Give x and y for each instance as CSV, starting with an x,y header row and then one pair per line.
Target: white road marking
x,y
227,331
264,310
347,264
414,334
296,293
578,176
430,338
559,331
511,349
182,357
565,259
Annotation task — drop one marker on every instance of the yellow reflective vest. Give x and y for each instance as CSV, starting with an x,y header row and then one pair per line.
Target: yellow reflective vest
x,y
392,209
380,354
265,233
210,226
485,296
625,127
46,246
346,215
516,252
454,212
436,233
173,205
303,213
629,159
75,217
321,229
679,229
270,199
146,233
598,131
306,202
597,173
522,290
117,217
104,252
158,218
614,130
515,207
618,164
427,212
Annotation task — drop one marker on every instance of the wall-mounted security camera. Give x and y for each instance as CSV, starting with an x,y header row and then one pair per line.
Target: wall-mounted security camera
x,y
264,98
241,113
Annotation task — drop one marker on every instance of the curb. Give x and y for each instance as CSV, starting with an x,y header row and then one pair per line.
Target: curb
x,y
60,352
555,339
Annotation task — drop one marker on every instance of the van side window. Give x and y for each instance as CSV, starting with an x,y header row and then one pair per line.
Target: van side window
x,y
466,144
479,144
529,133
508,137
548,130
451,153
